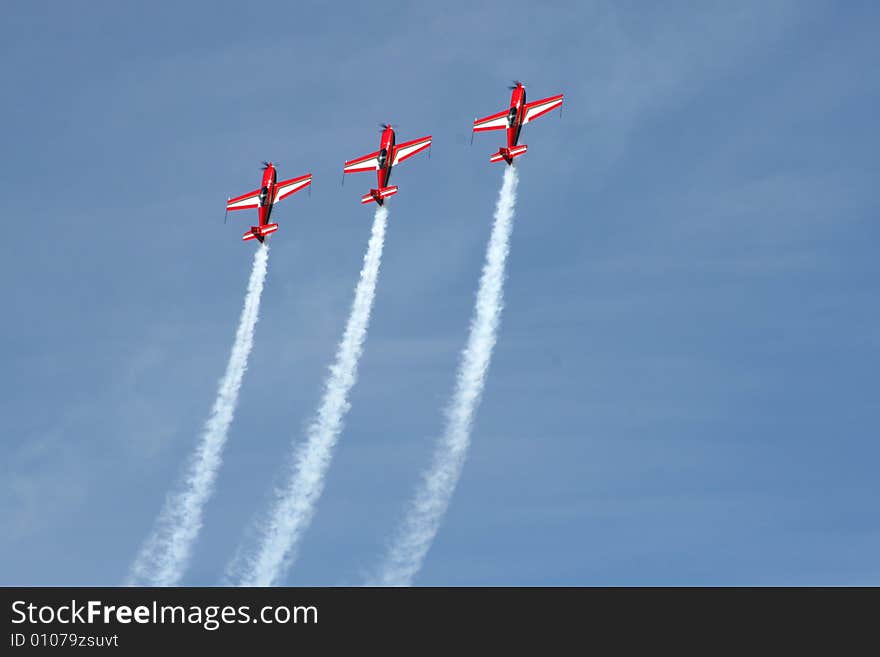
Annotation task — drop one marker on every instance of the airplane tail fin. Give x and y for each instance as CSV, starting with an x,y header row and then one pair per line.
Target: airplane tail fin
x,y
379,195
507,154
259,232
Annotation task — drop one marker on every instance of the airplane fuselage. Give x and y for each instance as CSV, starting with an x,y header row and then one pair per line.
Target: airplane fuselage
x,y
386,153
515,115
267,191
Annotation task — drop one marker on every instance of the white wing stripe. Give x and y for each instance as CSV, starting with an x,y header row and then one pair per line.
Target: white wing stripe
x,y
531,112
404,152
245,202
372,163
287,190
500,122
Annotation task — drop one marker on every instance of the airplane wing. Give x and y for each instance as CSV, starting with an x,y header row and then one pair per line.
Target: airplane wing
x,y
285,188
407,149
245,201
366,163
541,107
494,122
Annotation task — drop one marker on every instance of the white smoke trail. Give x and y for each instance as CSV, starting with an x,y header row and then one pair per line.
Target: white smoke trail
x,y
164,556
294,505
415,535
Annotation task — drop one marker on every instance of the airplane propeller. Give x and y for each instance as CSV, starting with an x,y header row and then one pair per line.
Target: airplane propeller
x,y
514,85
265,165
384,126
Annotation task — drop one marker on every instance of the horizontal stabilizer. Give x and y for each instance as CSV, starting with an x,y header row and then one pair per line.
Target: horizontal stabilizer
x,y
507,154
259,232
379,195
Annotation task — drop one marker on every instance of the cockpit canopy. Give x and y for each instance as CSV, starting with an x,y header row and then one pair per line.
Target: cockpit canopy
x,y
511,116
264,195
383,156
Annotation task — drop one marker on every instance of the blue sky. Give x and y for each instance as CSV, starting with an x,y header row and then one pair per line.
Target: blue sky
x,y
684,388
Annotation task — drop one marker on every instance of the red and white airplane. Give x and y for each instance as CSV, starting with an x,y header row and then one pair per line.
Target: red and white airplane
x,y
270,192
513,119
382,161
